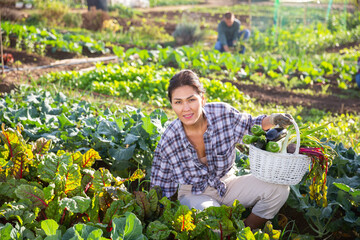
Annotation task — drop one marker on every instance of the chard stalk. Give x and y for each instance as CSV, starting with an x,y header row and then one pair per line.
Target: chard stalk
x,y
284,144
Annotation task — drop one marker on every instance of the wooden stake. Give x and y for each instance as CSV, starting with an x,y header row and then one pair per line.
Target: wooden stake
x,y
1,48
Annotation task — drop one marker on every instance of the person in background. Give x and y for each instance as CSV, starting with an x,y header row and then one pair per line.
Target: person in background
x,y
229,33
196,154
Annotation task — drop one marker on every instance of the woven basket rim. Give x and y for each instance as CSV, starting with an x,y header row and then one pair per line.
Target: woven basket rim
x,y
278,154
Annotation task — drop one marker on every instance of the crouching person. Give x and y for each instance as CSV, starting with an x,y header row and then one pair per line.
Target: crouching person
x,y
197,152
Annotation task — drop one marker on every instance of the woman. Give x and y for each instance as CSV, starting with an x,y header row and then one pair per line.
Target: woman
x,y
197,152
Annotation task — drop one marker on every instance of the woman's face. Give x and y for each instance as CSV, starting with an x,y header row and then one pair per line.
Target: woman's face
x,y
187,104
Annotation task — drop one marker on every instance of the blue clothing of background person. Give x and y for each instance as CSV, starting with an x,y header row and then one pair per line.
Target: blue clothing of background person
x,y
229,33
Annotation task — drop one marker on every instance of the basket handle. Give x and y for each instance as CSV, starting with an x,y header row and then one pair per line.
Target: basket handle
x,y
297,149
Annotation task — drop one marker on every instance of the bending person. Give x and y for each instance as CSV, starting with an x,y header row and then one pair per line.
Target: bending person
x,y
229,33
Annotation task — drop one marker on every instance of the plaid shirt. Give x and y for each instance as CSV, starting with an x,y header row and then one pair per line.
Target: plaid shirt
x,y
176,161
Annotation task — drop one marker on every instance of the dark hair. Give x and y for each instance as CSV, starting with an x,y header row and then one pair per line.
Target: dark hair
x,y
228,15
185,78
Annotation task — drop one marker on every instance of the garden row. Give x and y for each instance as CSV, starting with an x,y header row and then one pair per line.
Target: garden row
x,y
37,40
334,69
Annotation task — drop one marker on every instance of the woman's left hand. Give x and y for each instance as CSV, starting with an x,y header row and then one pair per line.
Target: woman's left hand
x,y
281,119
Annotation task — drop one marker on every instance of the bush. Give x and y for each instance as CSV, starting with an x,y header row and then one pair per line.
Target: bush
x,y
36,20
187,33
53,11
94,19
73,20
8,14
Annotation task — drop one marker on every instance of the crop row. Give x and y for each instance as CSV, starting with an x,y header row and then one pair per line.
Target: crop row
x,y
300,39
338,70
37,40
145,83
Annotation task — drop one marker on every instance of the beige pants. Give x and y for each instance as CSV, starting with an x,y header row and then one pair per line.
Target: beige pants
x,y
266,198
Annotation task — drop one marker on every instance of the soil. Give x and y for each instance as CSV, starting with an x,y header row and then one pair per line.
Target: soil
x,y
336,102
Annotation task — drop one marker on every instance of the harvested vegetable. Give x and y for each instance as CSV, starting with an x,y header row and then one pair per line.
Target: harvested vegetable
x,y
257,130
249,139
318,173
272,146
291,148
261,142
275,134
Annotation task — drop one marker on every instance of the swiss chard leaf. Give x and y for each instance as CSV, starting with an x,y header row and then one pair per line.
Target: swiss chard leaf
x,y
88,159
41,146
35,194
69,177
75,204
157,230
102,178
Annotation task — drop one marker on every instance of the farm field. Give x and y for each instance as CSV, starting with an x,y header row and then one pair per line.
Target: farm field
x,y
83,104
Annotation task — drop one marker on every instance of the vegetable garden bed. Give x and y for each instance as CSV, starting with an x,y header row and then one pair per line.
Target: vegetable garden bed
x,y
77,141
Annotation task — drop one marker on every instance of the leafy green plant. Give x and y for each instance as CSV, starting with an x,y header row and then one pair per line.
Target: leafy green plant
x,y
53,11
123,11
340,212
35,40
146,83
72,20
65,196
187,33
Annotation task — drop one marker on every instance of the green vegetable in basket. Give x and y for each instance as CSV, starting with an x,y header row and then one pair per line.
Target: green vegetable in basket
x,y
261,142
257,130
249,139
272,146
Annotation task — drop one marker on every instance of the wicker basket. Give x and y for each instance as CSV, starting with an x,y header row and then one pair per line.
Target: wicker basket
x,y
279,168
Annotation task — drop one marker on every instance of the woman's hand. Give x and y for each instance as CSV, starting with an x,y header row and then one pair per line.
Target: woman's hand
x,y
281,119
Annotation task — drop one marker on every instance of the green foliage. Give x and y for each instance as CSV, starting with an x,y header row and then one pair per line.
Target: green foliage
x,y
73,20
65,209
125,139
342,211
154,3
301,39
123,11
53,11
70,189
146,83
36,39
187,33
333,69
